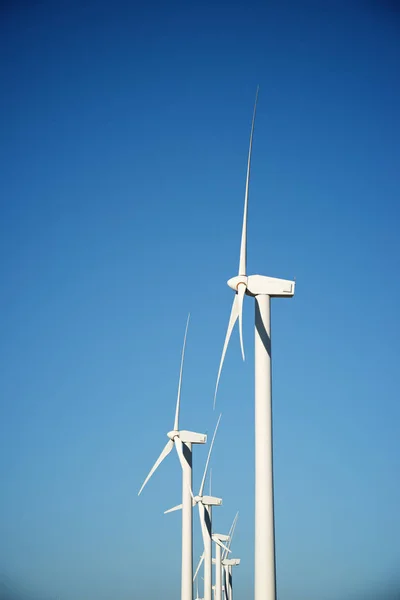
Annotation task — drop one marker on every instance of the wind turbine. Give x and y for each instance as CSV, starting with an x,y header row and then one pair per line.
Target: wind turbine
x,y
219,560
205,504
183,440
262,289
227,564
227,548
218,537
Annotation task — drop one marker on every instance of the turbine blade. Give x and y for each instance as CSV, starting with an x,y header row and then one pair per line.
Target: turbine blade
x,y
167,449
170,510
240,295
232,320
208,458
234,526
198,569
204,528
226,577
243,243
231,532
182,459
178,400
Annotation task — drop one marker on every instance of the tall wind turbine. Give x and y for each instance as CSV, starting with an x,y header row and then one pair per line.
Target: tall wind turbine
x,y
205,504
262,289
183,440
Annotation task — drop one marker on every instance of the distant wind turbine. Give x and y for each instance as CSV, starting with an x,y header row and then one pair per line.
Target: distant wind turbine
x,y
227,547
205,504
183,440
262,289
219,537
227,564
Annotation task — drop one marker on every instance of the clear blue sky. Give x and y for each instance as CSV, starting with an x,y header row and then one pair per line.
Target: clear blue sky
x,y
124,132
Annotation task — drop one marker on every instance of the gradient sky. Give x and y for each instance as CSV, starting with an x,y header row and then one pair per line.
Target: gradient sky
x,y
124,132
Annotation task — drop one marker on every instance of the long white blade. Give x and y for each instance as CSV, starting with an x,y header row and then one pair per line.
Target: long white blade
x,y
231,533
179,507
198,568
204,529
178,400
182,459
167,449
235,520
232,320
243,244
208,458
231,530
240,296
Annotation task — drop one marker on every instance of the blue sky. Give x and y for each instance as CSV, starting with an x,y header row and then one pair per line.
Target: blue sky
x,y
123,147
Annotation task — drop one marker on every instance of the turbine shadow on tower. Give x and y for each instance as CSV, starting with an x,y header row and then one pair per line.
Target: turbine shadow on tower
x,y
262,332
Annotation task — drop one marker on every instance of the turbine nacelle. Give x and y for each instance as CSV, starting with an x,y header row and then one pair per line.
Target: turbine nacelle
x,y
261,284
231,562
188,436
208,500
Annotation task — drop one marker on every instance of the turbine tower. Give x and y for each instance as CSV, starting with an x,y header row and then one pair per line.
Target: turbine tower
x,y
183,440
262,289
205,504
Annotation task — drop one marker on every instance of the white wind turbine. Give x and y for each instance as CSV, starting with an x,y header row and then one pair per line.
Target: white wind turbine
x,y
220,560
183,440
218,539
228,563
227,547
205,504
262,289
